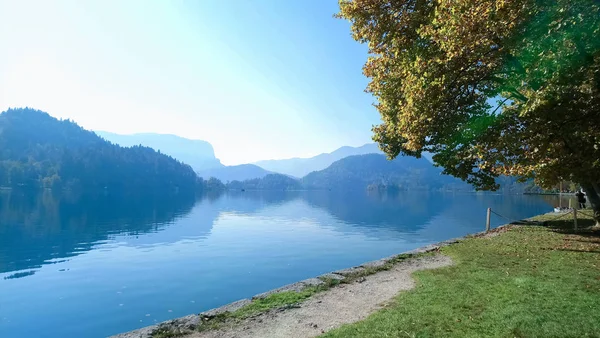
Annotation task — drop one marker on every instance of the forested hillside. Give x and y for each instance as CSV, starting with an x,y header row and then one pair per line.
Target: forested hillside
x,y
269,182
199,154
376,172
361,172
37,150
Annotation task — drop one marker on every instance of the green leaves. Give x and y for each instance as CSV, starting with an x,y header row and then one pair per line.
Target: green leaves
x,y
434,66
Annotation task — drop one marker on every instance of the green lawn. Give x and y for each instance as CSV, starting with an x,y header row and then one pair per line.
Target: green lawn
x,y
525,282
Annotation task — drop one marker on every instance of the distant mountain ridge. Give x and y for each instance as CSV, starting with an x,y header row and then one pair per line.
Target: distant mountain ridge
x,y
199,154
362,172
240,172
375,171
37,150
300,167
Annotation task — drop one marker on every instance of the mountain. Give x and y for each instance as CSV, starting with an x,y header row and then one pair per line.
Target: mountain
x,y
361,172
197,153
37,150
240,172
374,171
299,167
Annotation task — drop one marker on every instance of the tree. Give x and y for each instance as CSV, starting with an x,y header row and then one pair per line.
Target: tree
x,y
436,68
213,184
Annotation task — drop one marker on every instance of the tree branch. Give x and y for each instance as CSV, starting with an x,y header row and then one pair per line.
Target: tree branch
x,y
500,105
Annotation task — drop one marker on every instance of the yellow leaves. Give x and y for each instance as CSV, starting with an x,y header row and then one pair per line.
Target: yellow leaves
x,y
433,76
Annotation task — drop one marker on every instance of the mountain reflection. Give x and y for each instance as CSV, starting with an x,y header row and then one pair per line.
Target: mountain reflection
x,y
351,211
46,228
399,212
43,228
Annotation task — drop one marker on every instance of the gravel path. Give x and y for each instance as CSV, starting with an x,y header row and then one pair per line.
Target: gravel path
x,y
344,304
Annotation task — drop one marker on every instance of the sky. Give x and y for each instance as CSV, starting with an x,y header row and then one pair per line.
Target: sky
x,y
262,79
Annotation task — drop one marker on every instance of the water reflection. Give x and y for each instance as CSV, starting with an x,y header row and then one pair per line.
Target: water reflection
x,y
400,212
39,228
385,215
55,227
96,266
45,228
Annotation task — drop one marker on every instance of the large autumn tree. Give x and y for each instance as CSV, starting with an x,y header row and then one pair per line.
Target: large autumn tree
x,y
491,87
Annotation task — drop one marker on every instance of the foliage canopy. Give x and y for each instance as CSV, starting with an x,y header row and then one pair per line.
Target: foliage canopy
x,y
436,68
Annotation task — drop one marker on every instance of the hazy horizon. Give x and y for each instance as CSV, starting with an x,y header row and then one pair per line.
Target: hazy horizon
x,y
262,80
217,155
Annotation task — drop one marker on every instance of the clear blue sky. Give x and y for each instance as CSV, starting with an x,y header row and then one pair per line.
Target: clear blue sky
x,y
260,79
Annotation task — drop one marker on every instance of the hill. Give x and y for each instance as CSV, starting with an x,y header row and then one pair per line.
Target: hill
x,y
300,167
269,182
197,153
376,172
360,172
37,150
240,172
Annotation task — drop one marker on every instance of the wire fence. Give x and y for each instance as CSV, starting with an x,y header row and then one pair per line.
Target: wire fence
x,y
584,212
560,216
510,220
588,213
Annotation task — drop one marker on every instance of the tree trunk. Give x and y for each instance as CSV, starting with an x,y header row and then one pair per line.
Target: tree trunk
x,y
591,191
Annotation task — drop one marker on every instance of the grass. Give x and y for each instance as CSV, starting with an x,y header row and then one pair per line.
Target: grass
x,y
274,301
280,300
164,332
525,282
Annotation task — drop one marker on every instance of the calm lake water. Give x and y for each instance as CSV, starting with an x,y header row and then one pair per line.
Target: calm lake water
x,y
92,267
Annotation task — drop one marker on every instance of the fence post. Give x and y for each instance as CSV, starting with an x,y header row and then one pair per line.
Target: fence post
x,y
487,219
575,218
570,200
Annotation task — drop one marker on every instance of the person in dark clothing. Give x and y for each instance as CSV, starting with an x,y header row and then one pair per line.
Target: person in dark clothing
x,y
581,199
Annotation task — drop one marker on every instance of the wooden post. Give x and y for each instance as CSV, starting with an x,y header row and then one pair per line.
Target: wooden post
x,y
570,200
560,195
487,219
575,218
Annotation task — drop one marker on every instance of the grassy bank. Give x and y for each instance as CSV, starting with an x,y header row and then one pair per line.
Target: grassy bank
x,y
525,282
281,300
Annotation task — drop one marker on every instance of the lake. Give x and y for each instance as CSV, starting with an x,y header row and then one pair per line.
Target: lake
x,y
73,266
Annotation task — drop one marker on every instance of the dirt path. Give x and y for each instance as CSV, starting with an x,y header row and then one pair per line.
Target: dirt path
x,y
344,304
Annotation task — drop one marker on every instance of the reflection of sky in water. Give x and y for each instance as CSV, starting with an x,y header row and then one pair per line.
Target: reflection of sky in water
x,y
108,270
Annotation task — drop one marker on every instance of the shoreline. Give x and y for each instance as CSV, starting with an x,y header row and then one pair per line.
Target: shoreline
x,y
190,322
550,193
